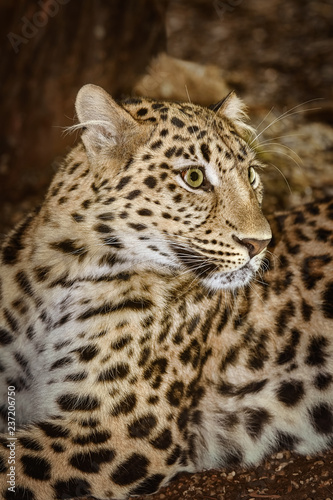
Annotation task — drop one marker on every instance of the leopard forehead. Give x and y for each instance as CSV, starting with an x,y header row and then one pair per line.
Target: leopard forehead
x,y
187,132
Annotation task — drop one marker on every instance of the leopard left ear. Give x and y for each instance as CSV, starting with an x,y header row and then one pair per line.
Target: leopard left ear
x,y
232,108
105,124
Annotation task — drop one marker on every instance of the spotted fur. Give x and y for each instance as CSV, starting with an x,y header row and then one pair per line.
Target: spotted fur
x,y
136,326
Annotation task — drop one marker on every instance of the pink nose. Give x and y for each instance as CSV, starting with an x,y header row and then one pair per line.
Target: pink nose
x,y
254,246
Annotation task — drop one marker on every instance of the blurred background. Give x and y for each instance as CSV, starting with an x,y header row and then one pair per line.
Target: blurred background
x,y
277,55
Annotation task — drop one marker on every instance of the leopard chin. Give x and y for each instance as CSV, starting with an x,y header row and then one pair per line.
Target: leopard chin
x,y
230,280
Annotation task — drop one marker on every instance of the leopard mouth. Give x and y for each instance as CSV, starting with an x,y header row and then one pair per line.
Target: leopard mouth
x,y
210,273
194,261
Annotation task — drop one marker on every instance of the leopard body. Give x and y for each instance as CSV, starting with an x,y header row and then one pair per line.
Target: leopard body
x,y
142,332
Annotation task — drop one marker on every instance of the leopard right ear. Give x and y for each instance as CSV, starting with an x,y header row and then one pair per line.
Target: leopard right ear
x,y
233,108
105,124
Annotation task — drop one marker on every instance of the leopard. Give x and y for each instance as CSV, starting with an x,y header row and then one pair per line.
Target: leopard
x,y
153,320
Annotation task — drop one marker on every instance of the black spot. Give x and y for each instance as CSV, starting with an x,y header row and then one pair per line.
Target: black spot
x,y
234,457
42,273
5,337
58,448
316,351
313,269
163,441
327,301
142,111
60,363
289,351
255,420
53,430
144,356
125,406
323,381
285,441
148,486
192,129
78,217
150,181
312,208
191,354
323,234
21,493
252,387
95,437
68,246
73,488
174,456
11,320
133,469
137,227
87,352
115,372
177,122
109,200
175,393
123,182
73,167
170,152
73,402
90,462
102,228
142,427
156,144
132,304
89,422
145,212
24,283
133,194
307,310
20,383
30,444
322,418
230,358
36,467
284,316
14,245
155,370
132,100
183,419
205,151
122,342
290,393
76,377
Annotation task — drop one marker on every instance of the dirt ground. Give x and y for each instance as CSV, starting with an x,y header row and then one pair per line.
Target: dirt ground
x,y
278,56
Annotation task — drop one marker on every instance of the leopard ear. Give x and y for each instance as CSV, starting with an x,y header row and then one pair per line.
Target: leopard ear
x,y
105,124
232,108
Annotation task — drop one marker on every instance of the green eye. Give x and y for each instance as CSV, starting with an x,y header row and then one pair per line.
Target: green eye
x,y
252,175
193,176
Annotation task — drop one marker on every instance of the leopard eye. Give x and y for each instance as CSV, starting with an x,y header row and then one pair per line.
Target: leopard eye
x,y
252,175
193,176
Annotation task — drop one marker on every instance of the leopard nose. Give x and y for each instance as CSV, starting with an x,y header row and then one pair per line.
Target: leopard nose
x,y
254,246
